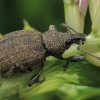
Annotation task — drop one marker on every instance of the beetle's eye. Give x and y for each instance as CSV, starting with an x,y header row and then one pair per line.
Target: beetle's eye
x,y
68,42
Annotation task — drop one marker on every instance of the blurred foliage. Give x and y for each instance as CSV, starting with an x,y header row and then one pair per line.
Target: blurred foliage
x,y
39,13
80,81
83,78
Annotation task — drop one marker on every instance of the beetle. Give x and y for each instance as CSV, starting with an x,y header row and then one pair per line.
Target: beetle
x,y
25,50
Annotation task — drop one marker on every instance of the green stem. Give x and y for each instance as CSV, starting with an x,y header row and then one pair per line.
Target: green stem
x,y
96,21
73,17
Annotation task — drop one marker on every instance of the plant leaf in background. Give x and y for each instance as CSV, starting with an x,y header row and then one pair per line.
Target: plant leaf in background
x,y
27,26
81,79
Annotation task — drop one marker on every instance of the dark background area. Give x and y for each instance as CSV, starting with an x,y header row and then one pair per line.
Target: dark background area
x,y
39,13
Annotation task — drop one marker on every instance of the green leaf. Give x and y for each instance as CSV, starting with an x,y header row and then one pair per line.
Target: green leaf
x,y
78,73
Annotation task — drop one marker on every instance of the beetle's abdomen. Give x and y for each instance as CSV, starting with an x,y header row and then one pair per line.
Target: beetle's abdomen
x,y
23,47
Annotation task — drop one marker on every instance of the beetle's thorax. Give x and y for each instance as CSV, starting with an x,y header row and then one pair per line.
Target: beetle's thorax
x,y
55,42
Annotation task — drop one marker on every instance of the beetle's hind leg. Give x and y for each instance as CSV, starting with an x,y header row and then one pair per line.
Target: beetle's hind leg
x,y
35,78
16,66
7,74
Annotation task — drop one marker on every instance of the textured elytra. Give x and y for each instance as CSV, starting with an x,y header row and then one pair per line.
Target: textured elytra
x,y
22,47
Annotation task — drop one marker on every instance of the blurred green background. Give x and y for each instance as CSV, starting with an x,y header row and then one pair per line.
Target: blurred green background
x,y
39,14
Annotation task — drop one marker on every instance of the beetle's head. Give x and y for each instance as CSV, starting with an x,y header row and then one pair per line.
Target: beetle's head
x,y
79,37
75,38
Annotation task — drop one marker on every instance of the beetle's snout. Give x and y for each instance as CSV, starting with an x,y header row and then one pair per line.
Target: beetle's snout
x,y
78,42
83,41
82,38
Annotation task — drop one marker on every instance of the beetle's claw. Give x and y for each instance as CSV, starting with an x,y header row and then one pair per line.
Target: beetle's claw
x,y
65,67
42,80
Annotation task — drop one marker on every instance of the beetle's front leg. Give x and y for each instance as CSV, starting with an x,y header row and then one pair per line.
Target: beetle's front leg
x,y
75,58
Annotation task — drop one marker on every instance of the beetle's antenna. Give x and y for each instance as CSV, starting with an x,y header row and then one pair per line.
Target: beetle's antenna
x,y
86,51
66,26
69,31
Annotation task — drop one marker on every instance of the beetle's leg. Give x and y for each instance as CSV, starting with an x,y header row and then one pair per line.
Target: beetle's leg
x,y
35,78
5,75
21,68
75,58
66,65
78,48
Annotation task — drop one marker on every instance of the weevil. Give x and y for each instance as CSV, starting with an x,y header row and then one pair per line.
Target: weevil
x,y
25,50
